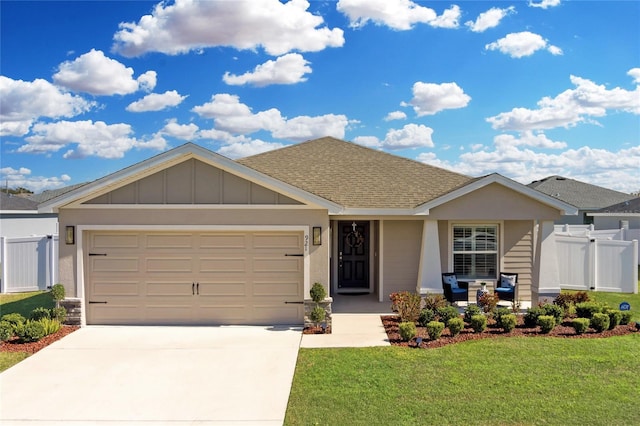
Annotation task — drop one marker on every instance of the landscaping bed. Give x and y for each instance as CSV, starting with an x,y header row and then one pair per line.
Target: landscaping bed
x,y
14,345
564,330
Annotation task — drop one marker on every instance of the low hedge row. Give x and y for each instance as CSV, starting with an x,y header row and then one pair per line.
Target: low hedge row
x,y
41,323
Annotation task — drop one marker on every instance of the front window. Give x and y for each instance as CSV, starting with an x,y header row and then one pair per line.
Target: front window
x,y
475,251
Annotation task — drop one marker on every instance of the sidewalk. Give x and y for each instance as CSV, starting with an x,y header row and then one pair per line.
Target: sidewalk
x,y
349,331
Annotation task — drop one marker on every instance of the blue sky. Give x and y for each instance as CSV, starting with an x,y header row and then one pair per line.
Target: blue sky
x,y
524,89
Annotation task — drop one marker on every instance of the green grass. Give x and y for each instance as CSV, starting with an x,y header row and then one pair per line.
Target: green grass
x,y
22,303
510,381
614,300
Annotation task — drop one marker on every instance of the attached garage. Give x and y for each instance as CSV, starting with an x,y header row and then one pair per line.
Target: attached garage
x,y
194,277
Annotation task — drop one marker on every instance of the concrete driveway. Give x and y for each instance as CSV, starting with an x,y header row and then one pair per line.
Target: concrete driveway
x,y
155,375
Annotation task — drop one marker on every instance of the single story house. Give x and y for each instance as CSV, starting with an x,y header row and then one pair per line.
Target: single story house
x,y
192,237
19,217
622,215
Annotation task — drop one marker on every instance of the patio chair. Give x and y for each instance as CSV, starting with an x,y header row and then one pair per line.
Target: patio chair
x,y
454,290
506,286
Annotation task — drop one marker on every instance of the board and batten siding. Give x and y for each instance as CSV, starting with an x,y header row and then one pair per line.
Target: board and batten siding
x,y
517,254
401,248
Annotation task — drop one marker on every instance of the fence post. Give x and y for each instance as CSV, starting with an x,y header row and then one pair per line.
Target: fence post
x,y
635,267
3,264
593,261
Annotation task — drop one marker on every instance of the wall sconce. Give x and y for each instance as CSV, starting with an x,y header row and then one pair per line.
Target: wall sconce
x,y
317,236
70,234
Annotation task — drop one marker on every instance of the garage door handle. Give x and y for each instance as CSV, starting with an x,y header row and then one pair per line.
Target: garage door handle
x,y
296,255
91,302
193,288
198,288
294,303
97,254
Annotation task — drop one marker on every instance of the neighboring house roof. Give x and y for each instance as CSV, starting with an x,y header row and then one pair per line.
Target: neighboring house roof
x,y
355,176
626,208
580,194
12,203
53,193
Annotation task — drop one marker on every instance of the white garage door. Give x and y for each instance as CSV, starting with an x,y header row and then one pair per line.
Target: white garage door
x,y
194,277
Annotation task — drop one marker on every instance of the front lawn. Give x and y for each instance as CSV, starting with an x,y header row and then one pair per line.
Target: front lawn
x,y
614,300
505,381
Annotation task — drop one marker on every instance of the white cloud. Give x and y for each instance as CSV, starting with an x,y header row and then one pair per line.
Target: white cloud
x,y
489,19
230,115
544,4
94,73
395,115
23,102
410,136
245,149
22,178
288,69
185,132
518,45
528,138
635,73
396,14
90,139
193,25
570,107
156,102
431,98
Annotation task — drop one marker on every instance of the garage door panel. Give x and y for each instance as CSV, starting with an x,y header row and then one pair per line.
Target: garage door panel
x,y
276,288
277,240
169,288
169,264
169,241
223,241
170,313
223,288
223,314
115,241
220,265
114,264
277,264
116,288
114,313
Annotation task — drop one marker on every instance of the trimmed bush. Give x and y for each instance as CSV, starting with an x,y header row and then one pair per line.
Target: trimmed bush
x,y
546,323
580,325
407,330
57,293
478,323
426,316
50,325
59,313
488,302
317,314
32,331
508,322
407,305
626,317
446,313
532,315
588,309
555,311
599,322
434,329
38,313
500,312
6,331
615,316
317,292
470,311
456,325
16,320
434,301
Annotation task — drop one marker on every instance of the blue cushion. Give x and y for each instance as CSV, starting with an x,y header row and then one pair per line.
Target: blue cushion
x,y
504,290
458,290
451,280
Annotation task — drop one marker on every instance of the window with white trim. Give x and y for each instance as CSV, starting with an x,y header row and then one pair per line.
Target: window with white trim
x,y
475,251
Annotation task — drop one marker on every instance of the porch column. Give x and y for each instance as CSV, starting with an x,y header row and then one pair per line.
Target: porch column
x,y
547,285
429,271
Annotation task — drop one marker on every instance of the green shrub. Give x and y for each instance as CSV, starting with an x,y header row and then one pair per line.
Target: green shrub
x,y
317,314
50,325
447,312
531,316
555,311
455,325
580,325
615,316
588,309
38,313
488,302
478,323
599,322
426,316
500,312
508,322
57,293
59,313
564,300
6,331
434,329
470,311
626,317
407,330
407,305
434,301
32,331
317,292
16,320
546,323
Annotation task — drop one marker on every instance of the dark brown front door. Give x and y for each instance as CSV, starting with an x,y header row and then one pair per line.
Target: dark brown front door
x,y
353,255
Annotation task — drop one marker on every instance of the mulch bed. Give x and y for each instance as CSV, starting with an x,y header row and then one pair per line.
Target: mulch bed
x,y
564,330
33,347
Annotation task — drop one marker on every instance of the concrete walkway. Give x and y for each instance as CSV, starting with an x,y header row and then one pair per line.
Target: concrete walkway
x,y
349,331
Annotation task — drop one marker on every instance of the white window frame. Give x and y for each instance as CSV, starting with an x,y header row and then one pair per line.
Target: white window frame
x,y
497,225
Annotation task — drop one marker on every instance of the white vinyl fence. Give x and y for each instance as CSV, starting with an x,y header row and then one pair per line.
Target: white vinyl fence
x,y
588,263
621,234
28,263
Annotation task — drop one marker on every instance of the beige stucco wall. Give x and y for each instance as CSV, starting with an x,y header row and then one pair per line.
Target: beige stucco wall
x,y
319,255
494,202
401,255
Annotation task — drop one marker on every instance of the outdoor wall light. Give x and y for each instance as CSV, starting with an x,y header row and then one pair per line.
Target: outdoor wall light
x,y
317,236
70,234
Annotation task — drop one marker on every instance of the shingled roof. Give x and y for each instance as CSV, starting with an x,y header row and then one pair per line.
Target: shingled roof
x,y
15,203
580,194
630,206
355,176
